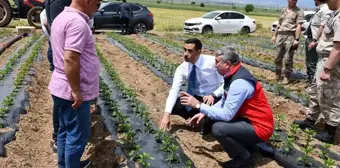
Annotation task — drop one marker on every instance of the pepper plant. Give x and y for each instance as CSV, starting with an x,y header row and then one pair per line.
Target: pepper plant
x,y
279,119
294,129
307,149
143,160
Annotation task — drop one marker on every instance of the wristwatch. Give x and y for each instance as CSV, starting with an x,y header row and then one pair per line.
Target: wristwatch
x,y
327,70
198,105
315,40
297,39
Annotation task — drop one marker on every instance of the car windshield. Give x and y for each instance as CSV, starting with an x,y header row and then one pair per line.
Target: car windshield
x,y
210,15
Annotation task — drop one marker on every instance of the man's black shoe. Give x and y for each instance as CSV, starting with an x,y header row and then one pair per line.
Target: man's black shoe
x,y
206,125
303,124
238,162
85,163
328,135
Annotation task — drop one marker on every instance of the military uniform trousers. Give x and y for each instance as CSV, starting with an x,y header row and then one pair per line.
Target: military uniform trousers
x,y
324,99
284,42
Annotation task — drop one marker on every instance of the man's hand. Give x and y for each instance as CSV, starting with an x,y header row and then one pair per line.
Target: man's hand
x,y
78,99
325,76
165,122
188,100
312,45
209,100
295,43
195,120
273,39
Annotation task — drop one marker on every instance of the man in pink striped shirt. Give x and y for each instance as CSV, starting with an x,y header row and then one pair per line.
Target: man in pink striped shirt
x,y
75,79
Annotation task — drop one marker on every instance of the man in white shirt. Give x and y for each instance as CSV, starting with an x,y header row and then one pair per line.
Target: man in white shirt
x,y
204,83
44,23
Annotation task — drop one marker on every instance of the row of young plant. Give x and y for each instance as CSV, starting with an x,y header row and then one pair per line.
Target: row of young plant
x,y
142,112
274,87
18,82
146,55
124,127
13,60
287,149
246,42
252,54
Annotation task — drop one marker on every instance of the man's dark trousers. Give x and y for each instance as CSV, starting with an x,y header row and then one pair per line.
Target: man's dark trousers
x,y
311,60
125,25
237,137
74,132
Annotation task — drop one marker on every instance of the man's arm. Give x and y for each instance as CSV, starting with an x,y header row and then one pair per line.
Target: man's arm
x,y
239,91
72,69
176,86
334,56
299,22
219,91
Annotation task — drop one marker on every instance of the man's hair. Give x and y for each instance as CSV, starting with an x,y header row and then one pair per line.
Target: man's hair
x,y
229,54
197,42
322,1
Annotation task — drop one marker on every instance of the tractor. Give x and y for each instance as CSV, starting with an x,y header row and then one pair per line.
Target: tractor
x,y
25,9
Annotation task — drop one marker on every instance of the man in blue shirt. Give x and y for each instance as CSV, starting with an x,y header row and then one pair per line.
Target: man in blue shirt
x,y
242,118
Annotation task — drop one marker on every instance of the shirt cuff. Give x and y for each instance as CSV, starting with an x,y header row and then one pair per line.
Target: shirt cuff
x,y
204,109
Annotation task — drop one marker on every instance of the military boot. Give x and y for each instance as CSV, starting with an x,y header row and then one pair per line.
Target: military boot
x,y
328,135
278,74
303,124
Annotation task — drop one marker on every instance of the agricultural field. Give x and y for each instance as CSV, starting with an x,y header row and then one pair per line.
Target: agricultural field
x,y
135,78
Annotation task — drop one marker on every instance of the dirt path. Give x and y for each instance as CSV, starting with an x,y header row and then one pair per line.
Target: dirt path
x,y
9,51
205,152
32,145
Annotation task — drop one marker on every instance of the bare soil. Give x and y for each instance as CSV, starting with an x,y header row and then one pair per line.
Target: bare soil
x,y
204,151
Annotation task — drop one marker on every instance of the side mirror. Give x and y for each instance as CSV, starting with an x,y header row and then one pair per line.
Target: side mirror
x,y
101,11
218,18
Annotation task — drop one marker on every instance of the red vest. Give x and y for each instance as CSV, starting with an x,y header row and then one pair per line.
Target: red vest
x,y
256,109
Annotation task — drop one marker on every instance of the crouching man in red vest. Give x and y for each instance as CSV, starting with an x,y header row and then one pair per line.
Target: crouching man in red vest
x,y
243,117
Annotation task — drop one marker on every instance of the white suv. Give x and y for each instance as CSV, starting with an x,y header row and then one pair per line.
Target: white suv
x,y
307,17
221,22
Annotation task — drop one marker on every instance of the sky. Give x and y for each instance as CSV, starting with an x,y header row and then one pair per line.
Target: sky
x,y
301,3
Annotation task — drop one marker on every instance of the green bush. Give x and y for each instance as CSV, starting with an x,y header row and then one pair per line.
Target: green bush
x,y
249,8
202,5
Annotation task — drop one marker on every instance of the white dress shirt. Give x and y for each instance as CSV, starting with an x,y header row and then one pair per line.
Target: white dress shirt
x,y
208,80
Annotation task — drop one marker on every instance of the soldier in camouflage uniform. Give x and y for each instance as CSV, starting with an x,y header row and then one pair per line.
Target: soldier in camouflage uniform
x,y
327,78
287,34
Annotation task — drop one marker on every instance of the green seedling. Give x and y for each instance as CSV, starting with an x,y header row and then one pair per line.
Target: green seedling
x,y
329,163
124,127
307,149
134,154
188,164
159,135
166,143
173,157
279,119
149,128
288,148
324,151
294,129
276,137
143,159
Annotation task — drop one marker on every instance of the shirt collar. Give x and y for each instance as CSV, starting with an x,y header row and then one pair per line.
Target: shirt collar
x,y
199,62
83,15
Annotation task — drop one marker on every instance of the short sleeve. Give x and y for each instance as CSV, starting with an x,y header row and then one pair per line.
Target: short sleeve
x,y
300,17
75,36
336,28
325,15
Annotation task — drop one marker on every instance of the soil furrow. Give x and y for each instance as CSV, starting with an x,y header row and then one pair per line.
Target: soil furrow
x,y
10,50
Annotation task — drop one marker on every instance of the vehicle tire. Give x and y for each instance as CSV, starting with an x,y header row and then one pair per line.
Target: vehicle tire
x,y
245,30
207,30
5,13
139,27
33,16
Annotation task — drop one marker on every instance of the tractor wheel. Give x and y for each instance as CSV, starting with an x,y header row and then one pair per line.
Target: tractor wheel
x,y
5,13
33,16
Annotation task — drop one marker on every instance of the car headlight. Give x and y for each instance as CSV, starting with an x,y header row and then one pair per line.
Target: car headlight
x,y
199,23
